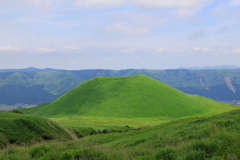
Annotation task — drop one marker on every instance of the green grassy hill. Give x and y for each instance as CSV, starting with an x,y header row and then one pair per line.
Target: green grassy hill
x,y
16,128
134,96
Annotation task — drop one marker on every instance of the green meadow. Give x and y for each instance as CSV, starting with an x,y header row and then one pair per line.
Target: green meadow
x,y
84,126
213,138
134,117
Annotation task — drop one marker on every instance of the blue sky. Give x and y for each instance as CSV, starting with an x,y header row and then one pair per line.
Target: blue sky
x,y
119,34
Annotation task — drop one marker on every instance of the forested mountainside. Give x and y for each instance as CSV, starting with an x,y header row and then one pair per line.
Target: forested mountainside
x,y
44,87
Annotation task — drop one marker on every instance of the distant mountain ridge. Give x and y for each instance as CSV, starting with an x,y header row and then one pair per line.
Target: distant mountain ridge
x,y
214,67
31,69
44,87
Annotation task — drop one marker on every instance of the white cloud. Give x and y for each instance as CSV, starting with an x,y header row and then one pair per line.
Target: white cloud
x,y
130,50
31,3
176,50
138,57
74,62
141,19
38,2
198,48
109,59
125,28
171,3
167,49
235,2
98,3
186,12
68,49
237,50
48,50
202,49
205,49
71,48
10,49
45,50
161,49
184,7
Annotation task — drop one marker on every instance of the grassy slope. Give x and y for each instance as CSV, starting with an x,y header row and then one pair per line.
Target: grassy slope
x,y
134,96
16,128
214,138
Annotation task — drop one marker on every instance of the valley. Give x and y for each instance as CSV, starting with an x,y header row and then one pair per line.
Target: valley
x,y
31,86
4,108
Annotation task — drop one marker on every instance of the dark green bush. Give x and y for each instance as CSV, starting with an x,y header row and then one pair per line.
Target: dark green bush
x,y
106,131
17,111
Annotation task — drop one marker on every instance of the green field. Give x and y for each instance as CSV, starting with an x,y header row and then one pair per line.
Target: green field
x,y
84,126
216,138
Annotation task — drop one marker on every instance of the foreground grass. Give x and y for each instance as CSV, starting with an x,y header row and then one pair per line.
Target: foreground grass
x,y
21,129
215,138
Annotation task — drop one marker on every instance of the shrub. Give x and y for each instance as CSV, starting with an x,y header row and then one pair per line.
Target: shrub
x,y
105,131
17,111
